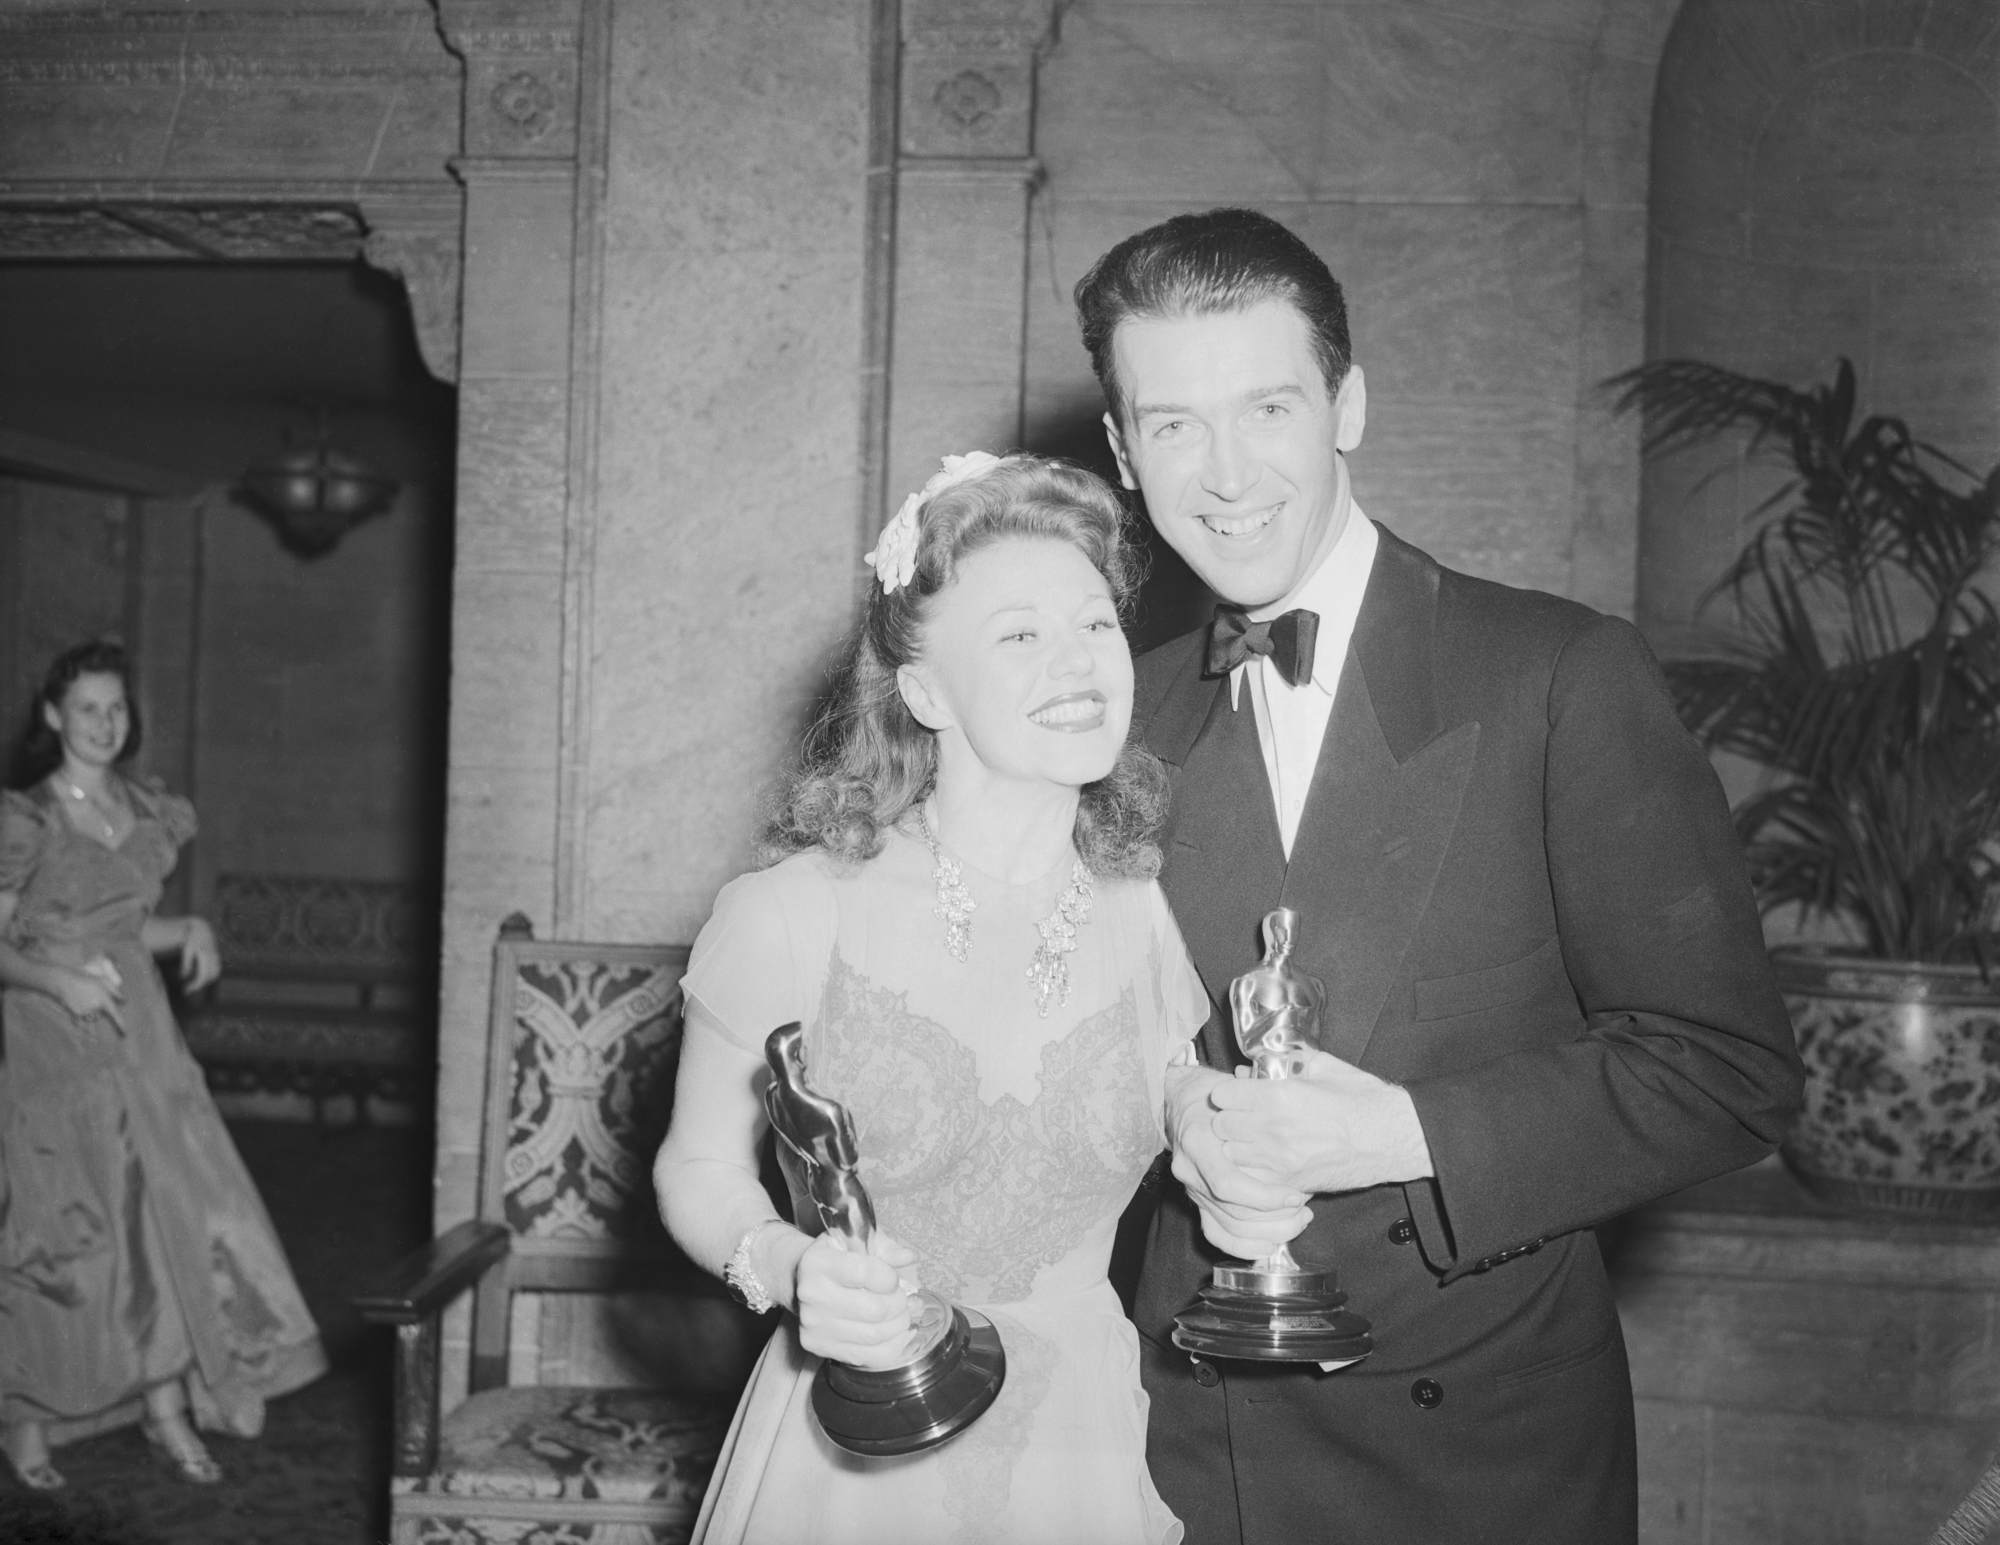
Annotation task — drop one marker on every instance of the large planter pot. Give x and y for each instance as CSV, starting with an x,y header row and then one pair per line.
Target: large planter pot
x,y
1902,1102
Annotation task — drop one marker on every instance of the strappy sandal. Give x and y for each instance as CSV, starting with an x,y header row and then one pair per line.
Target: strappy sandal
x,y
176,1442
39,1476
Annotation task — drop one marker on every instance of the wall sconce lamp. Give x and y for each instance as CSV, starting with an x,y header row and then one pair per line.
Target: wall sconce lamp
x,y
313,495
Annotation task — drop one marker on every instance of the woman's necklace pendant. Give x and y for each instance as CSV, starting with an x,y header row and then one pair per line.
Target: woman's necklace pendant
x,y
954,902
1048,970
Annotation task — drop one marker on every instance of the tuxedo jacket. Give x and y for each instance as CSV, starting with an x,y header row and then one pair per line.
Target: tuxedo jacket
x,y
1516,875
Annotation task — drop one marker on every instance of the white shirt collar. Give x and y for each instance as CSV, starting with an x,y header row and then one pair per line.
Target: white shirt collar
x,y
1334,590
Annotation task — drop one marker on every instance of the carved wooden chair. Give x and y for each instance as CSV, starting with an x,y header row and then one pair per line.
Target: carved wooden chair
x,y
581,1057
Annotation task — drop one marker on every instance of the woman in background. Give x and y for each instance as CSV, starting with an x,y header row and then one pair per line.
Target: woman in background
x,y
140,1278
961,915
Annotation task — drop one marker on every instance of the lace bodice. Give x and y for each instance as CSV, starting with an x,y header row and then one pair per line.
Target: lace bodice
x,y
999,1146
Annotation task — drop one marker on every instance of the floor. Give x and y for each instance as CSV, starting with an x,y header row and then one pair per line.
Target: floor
x,y
347,1203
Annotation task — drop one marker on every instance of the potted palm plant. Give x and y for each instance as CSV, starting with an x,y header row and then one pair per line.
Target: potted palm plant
x,y
1861,676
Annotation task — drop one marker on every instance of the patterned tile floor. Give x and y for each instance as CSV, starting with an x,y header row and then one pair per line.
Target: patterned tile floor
x,y
346,1203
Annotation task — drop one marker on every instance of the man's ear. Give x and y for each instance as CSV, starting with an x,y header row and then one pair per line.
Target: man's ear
x,y
919,699
1117,442
1350,410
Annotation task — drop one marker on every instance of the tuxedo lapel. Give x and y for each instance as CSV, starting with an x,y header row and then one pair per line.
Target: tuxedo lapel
x,y
1383,804
1377,821
1370,843
1225,863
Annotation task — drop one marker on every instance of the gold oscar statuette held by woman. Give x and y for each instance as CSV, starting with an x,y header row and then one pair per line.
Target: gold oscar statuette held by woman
x,y
955,1364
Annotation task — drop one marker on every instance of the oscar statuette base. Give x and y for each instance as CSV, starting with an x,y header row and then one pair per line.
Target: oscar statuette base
x,y
1254,1314
903,1410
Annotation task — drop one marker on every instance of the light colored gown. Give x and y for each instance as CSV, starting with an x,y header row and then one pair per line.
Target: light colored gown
x,y
1001,1147
133,1245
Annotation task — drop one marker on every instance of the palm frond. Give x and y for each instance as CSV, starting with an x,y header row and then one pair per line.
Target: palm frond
x,y
1863,674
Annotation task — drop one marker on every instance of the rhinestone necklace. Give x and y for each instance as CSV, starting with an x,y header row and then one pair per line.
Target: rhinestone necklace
x,y
1048,970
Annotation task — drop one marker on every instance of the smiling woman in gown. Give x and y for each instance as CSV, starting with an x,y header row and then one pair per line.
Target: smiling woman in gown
x,y
140,1279
960,911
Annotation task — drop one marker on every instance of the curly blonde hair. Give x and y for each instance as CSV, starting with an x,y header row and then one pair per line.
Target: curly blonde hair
x,y
866,762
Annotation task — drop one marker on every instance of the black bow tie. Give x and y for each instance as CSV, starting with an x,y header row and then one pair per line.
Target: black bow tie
x,y
1288,640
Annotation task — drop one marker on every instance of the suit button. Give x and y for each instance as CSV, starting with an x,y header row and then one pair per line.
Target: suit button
x,y
1427,1393
1402,1231
1205,1374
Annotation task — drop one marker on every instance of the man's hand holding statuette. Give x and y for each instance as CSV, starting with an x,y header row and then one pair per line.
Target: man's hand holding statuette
x,y
1331,1127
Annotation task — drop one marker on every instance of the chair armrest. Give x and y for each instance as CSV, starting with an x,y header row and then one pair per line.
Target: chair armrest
x,y
424,1281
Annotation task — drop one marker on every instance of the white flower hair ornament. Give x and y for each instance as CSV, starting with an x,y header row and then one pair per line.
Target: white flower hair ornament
x,y
895,554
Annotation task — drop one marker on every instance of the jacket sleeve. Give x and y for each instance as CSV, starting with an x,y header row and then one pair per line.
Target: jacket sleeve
x,y
1686,1067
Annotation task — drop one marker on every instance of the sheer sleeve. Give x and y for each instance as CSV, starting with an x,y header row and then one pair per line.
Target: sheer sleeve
x,y
175,814
1180,1003
23,834
1184,1003
755,962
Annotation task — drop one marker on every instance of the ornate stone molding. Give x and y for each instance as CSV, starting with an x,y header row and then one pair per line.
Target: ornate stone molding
x,y
168,231
207,69
521,41
520,74
383,42
980,174
411,232
139,18
968,76
424,247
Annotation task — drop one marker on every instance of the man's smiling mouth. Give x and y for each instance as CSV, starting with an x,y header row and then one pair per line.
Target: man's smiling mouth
x,y
1239,525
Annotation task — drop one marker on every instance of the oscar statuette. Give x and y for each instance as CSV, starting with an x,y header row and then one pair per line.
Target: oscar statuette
x,y
1275,1310
955,1364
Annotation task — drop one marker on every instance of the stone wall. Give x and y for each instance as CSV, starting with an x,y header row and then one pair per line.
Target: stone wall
x,y
1804,1376
1825,183
727,464
1476,177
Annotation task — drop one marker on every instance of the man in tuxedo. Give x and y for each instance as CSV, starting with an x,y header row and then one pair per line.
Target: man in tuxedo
x,y
1547,994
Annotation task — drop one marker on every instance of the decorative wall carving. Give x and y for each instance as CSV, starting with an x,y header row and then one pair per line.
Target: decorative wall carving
x,y
527,101
391,41
39,231
513,40
968,99
968,76
521,74
166,231
343,92
211,68
964,174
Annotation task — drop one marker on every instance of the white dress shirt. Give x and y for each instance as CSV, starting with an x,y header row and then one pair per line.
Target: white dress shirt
x,y
1292,720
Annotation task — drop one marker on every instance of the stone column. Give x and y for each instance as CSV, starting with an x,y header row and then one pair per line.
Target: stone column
x,y
965,173
515,380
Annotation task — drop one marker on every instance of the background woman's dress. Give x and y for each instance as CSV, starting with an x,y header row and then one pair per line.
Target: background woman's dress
x,y
999,1146
133,1245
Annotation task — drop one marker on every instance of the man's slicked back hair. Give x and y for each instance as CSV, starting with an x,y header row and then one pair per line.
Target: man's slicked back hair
x,y
1217,260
